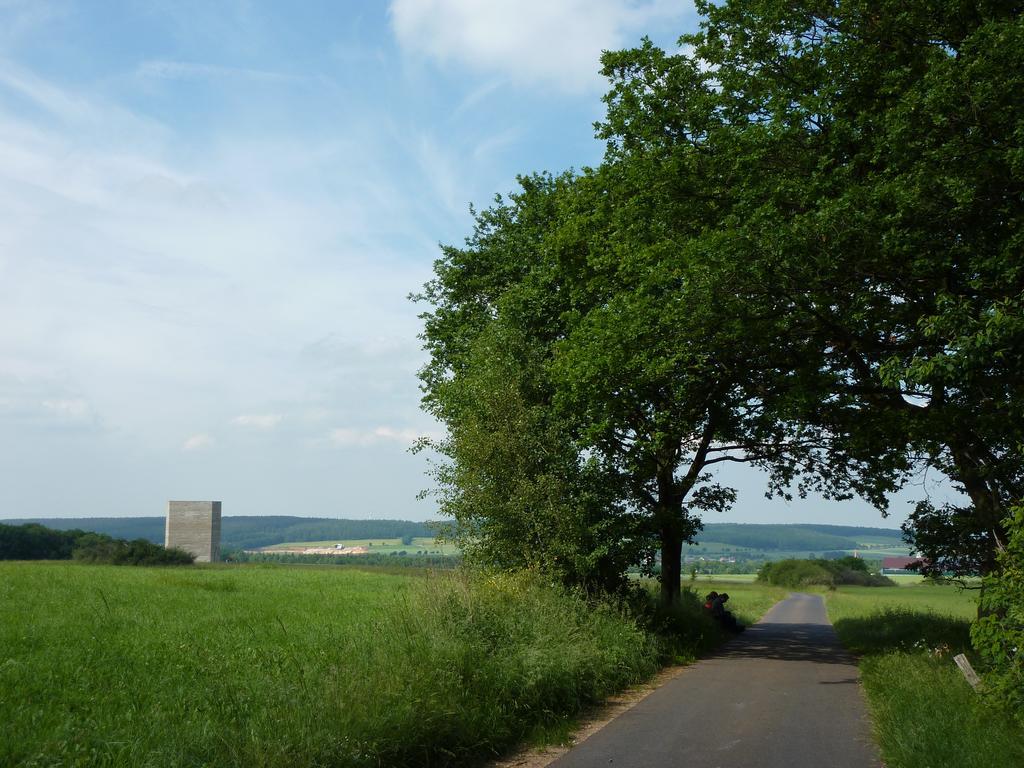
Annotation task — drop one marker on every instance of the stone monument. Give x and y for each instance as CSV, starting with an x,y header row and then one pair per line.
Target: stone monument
x,y
195,527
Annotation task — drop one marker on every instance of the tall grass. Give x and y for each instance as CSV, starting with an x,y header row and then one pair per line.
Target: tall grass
x,y
266,666
924,714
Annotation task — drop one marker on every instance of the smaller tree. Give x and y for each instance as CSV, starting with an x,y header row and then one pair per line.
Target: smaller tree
x,y
519,494
953,541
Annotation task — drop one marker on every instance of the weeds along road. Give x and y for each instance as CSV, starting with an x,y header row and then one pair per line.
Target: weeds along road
x,y
784,694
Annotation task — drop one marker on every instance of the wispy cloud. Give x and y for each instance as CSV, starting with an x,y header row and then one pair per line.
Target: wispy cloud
x,y
258,420
76,409
478,95
115,256
349,436
165,69
197,443
529,41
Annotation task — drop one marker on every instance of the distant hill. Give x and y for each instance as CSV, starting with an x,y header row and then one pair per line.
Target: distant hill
x,y
249,532
771,537
246,532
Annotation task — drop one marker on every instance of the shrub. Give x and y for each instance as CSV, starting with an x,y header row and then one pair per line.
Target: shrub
x,y
97,548
826,573
998,635
796,573
36,542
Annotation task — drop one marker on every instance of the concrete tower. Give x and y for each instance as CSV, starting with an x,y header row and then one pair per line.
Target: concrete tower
x,y
195,527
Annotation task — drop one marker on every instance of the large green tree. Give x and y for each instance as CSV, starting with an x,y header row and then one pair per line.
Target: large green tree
x,y
595,355
869,158
803,251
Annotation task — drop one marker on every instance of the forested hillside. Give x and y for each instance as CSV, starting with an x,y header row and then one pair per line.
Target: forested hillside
x,y
247,532
794,537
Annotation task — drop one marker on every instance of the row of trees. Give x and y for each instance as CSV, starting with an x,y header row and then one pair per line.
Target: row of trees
x,y
802,251
32,541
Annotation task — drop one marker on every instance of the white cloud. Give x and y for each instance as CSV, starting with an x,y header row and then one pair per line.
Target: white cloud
x,y
258,420
347,436
128,270
197,443
555,42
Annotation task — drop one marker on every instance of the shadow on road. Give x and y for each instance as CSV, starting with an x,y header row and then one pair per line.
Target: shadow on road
x,y
787,642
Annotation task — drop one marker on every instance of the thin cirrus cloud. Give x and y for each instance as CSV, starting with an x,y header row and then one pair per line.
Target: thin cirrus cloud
x,y
557,44
164,69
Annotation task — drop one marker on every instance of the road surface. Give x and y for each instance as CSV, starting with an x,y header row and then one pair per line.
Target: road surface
x,y
784,694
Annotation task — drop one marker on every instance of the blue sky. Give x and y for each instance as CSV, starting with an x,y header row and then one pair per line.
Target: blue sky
x,y
211,215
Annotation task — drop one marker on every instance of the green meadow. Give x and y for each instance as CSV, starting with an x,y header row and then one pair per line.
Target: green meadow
x,y
293,666
319,666
924,713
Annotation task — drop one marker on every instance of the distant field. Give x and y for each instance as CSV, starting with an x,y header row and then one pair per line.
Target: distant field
x,y
901,579
377,546
906,579
714,550
738,578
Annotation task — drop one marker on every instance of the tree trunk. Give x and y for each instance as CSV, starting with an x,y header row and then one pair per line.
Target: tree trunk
x,y
671,566
986,502
987,508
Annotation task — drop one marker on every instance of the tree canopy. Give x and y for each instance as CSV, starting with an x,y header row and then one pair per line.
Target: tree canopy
x,y
802,250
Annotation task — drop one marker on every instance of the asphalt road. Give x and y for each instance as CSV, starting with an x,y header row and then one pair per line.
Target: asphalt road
x,y
784,694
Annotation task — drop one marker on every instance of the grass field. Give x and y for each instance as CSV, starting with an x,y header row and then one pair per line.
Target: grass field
x,y
297,666
377,546
293,666
730,578
924,714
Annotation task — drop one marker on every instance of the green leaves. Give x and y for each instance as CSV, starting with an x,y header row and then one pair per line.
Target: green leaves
x,y
998,635
803,250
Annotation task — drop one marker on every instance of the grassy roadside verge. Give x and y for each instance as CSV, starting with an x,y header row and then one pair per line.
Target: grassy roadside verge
x,y
683,636
924,713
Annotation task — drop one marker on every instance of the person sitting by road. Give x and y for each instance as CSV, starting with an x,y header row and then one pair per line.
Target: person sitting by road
x,y
715,603
709,601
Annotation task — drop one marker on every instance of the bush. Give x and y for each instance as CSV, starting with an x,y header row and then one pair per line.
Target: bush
x,y
97,548
796,573
825,573
36,542
998,635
